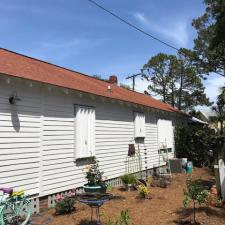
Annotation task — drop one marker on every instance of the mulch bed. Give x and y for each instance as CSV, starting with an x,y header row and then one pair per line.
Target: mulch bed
x,y
164,206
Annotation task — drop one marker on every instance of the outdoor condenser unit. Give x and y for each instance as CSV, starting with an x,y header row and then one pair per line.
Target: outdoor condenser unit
x,y
176,165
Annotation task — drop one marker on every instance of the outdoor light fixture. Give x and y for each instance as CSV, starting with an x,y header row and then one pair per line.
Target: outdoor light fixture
x,y
109,88
13,99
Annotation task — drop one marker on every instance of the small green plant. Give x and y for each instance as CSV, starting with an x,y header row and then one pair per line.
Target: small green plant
x,y
149,180
110,187
128,178
123,219
195,193
143,191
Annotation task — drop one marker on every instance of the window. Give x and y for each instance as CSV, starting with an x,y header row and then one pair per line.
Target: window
x,y
139,125
84,131
165,133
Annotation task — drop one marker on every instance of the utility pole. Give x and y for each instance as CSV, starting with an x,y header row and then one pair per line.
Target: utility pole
x,y
133,79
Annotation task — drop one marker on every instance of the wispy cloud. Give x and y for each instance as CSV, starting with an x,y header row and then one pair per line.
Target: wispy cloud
x,y
213,85
60,51
175,31
212,90
14,7
78,43
62,44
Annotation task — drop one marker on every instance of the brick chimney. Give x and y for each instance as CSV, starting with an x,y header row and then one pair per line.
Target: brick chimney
x,y
113,79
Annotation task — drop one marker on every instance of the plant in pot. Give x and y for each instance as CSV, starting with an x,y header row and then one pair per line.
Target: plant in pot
x,y
94,178
129,180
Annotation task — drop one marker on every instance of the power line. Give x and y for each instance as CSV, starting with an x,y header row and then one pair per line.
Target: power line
x,y
144,32
132,25
133,77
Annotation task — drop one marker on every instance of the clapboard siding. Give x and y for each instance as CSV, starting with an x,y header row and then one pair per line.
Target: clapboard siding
x,y
58,143
20,137
37,138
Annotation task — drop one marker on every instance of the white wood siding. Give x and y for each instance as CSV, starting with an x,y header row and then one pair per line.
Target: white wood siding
x,y
20,137
38,154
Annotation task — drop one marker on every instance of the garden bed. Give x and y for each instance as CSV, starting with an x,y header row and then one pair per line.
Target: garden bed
x,y
164,206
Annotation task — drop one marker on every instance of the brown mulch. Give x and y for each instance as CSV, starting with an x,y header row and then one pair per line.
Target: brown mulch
x,y
164,206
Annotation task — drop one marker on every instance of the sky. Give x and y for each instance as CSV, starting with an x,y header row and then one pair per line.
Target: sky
x,y
78,35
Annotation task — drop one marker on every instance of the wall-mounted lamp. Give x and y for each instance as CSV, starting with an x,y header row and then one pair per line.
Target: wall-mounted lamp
x,y
13,99
109,88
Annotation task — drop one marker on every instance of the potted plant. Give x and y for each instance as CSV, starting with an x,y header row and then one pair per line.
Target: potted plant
x,y
129,180
94,178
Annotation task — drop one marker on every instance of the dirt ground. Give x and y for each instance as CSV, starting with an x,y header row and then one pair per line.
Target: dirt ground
x,y
163,207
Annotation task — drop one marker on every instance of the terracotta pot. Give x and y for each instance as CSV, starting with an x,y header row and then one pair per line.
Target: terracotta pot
x,y
128,187
213,190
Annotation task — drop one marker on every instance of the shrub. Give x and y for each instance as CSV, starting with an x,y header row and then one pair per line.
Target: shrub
x,y
124,219
195,193
149,181
164,181
195,142
143,191
65,203
128,178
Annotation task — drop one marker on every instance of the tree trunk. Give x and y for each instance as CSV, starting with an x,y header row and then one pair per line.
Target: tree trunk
x,y
194,214
172,94
180,90
164,94
221,126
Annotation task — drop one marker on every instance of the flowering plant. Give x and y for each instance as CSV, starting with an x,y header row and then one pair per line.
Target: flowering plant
x,y
93,174
143,191
65,202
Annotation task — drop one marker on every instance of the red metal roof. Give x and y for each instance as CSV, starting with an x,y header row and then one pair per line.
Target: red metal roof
x,y
17,65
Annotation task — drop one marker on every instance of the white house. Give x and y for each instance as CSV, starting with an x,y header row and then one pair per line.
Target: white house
x,y
51,118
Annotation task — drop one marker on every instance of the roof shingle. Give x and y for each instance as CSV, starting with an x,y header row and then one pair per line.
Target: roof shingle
x,y
17,65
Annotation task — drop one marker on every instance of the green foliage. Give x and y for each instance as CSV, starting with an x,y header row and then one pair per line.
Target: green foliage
x,y
194,142
110,188
195,193
126,86
124,219
93,174
128,178
176,80
149,180
219,108
209,46
65,205
143,191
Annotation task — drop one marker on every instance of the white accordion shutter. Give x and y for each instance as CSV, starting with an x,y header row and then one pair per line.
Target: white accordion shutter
x,y
85,131
139,124
165,133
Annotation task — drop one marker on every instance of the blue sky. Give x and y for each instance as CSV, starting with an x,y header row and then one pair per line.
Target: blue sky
x,y
78,35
